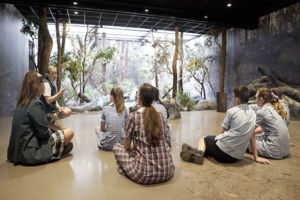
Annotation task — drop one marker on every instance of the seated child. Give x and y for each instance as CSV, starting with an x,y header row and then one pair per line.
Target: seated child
x,y
114,115
271,119
148,160
230,146
160,107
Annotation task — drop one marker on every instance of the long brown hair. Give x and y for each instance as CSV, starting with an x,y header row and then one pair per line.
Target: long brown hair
x,y
31,87
118,96
270,97
151,118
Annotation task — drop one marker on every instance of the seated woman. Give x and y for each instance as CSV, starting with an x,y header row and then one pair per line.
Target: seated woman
x,y
148,160
31,141
160,107
275,142
114,115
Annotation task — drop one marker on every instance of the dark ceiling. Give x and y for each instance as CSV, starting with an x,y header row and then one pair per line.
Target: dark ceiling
x,y
188,15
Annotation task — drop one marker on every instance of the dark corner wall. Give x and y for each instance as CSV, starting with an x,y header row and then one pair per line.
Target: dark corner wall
x,y
14,58
274,46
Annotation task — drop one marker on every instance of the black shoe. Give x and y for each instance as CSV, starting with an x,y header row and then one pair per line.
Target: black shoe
x,y
195,157
68,148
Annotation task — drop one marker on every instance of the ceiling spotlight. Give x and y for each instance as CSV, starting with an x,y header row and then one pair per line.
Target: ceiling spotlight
x,y
205,16
76,13
229,5
146,10
75,3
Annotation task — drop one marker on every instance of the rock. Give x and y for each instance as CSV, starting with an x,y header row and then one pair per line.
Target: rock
x,y
173,108
294,106
262,82
205,105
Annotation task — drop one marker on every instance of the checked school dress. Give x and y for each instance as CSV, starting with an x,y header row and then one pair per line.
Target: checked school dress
x,y
146,164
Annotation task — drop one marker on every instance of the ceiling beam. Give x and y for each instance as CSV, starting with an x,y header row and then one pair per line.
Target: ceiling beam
x,y
100,17
143,22
129,20
169,25
194,27
156,23
51,14
69,16
115,20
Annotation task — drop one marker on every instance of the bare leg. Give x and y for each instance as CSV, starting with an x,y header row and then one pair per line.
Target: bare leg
x,y
69,133
66,112
201,145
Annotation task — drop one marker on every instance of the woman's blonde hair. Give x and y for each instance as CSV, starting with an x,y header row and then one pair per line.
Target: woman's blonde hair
x,y
151,118
49,69
118,96
31,87
270,97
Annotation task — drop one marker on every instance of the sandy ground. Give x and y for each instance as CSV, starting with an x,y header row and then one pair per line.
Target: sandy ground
x,y
88,173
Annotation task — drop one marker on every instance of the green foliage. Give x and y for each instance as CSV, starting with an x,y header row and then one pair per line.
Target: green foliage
x,y
74,69
127,85
107,54
185,100
91,92
30,26
65,58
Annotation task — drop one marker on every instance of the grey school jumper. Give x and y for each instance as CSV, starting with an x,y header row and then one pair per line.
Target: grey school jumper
x,y
275,142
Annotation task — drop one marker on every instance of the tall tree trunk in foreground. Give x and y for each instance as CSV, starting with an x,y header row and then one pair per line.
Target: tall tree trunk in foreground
x,y
174,65
221,96
45,43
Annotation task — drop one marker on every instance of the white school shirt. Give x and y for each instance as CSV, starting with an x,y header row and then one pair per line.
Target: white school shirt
x,y
239,122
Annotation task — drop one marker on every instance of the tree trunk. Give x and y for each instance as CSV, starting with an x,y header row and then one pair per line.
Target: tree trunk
x,y
103,64
59,54
180,83
221,96
45,43
174,65
64,36
126,60
121,62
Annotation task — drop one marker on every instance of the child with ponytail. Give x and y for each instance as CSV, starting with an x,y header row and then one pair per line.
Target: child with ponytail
x,y
270,119
114,115
145,157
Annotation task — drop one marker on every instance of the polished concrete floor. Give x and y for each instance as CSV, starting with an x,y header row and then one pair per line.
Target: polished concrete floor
x,y
88,173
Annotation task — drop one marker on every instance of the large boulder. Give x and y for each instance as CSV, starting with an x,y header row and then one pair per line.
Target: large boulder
x,y
173,108
261,82
294,106
205,105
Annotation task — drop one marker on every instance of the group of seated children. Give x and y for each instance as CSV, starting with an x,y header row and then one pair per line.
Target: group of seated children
x,y
241,127
141,140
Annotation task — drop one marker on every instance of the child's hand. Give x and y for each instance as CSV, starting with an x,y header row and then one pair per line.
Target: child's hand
x,y
262,160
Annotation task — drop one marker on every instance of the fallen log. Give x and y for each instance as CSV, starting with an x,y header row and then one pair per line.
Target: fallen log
x,y
84,97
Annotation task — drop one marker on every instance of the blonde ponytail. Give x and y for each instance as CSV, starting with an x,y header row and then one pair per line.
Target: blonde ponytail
x,y
278,107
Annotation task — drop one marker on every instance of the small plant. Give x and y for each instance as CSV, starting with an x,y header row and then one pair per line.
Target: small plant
x,y
185,100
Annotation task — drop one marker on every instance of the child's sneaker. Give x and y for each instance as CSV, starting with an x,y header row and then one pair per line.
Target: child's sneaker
x,y
195,157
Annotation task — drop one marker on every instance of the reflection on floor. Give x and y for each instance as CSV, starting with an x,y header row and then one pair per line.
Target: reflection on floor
x,y
91,174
